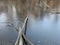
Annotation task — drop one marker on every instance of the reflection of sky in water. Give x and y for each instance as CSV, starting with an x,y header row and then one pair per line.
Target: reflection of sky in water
x,y
3,17
44,31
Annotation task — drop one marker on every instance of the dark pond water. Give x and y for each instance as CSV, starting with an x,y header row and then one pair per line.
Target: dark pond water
x,y
45,31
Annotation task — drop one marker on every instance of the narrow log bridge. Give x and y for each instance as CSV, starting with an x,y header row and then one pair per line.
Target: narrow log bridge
x,y
21,36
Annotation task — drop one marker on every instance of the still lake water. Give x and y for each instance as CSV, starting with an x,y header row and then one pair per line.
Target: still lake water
x,y
41,31
45,31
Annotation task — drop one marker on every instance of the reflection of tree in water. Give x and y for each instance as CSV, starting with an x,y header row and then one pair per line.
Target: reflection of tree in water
x,y
42,13
56,17
39,9
21,9
3,6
